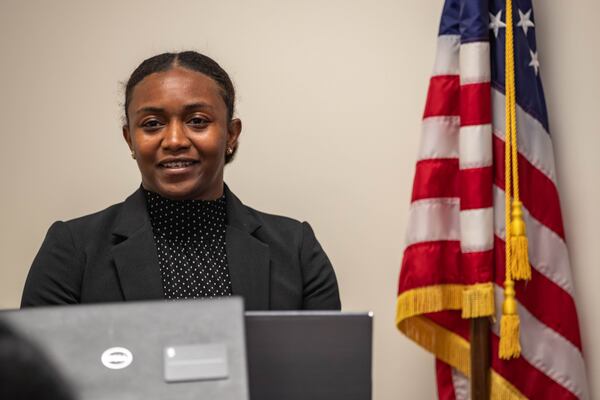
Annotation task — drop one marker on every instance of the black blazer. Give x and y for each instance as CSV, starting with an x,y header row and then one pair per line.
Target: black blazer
x,y
275,263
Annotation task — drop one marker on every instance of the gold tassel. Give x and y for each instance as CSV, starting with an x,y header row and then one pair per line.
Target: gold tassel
x,y
478,300
510,347
519,263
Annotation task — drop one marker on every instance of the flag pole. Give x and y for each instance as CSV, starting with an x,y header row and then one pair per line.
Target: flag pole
x,y
480,358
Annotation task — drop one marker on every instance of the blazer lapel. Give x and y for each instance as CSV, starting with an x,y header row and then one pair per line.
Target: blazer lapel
x,y
135,252
247,257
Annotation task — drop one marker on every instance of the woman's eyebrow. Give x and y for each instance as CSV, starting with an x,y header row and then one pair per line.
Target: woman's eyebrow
x,y
150,110
197,106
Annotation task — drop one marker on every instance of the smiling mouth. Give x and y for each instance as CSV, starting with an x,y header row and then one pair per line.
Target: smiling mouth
x,y
177,164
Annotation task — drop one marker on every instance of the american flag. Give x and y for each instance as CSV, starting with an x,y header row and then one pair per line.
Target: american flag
x,y
455,238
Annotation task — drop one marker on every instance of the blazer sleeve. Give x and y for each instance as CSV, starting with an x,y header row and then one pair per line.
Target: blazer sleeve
x,y
320,284
56,273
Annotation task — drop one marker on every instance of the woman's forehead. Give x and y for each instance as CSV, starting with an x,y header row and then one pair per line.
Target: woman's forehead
x,y
176,85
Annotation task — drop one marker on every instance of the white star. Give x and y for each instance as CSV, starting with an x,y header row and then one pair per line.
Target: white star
x,y
496,23
525,21
534,61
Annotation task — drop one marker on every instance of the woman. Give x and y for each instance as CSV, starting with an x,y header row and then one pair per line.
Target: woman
x,y
183,233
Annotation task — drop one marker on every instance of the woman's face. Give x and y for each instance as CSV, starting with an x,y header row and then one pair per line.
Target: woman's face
x,y
179,132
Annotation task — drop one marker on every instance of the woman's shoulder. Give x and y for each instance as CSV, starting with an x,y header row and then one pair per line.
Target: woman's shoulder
x,y
127,212
240,214
280,229
274,219
102,217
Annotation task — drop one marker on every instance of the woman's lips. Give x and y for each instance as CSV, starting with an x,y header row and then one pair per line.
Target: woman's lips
x,y
177,164
177,167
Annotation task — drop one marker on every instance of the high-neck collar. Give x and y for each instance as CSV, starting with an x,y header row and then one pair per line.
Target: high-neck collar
x,y
159,199
182,217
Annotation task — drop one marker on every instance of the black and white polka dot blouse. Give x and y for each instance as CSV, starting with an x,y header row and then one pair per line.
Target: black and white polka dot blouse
x,y
190,242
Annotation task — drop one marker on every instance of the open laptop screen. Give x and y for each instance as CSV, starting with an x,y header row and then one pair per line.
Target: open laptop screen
x,y
309,355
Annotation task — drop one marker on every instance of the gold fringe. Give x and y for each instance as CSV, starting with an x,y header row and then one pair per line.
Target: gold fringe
x,y
519,263
509,337
446,345
455,351
428,299
478,300
501,389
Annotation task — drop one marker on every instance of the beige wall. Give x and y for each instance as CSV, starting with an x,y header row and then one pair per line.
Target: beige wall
x,y
331,94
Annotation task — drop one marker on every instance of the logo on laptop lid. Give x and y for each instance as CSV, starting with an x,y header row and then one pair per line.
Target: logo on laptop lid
x,y
116,358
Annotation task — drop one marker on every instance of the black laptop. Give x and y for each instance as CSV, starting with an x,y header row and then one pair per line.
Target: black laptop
x,y
309,355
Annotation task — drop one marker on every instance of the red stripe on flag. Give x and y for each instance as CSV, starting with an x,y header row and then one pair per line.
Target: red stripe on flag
x,y
547,301
443,374
475,104
435,178
441,262
530,381
442,96
430,263
475,186
478,266
538,193
441,177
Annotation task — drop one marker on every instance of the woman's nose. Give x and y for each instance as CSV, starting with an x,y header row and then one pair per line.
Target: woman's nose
x,y
175,137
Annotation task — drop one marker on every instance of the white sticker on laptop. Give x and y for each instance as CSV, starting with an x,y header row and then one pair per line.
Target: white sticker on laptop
x,y
117,358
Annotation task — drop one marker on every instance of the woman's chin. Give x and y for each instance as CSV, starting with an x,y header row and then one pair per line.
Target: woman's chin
x,y
188,191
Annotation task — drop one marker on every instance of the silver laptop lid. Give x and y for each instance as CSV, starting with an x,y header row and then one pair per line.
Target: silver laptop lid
x,y
192,349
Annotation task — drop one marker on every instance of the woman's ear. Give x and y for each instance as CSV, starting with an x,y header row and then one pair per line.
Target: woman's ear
x,y
234,131
127,137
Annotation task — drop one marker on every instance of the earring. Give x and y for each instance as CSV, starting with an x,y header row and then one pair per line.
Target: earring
x,y
132,155
229,150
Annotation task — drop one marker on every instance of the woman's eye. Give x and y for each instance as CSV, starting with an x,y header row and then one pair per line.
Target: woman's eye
x,y
151,124
198,121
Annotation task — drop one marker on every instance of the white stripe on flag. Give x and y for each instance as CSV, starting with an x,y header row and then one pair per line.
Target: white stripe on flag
x,y
446,58
433,219
546,350
461,385
475,146
474,62
439,138
477,229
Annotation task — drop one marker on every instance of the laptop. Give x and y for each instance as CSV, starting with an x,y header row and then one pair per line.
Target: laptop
x,y
196,349
176,350
309,355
